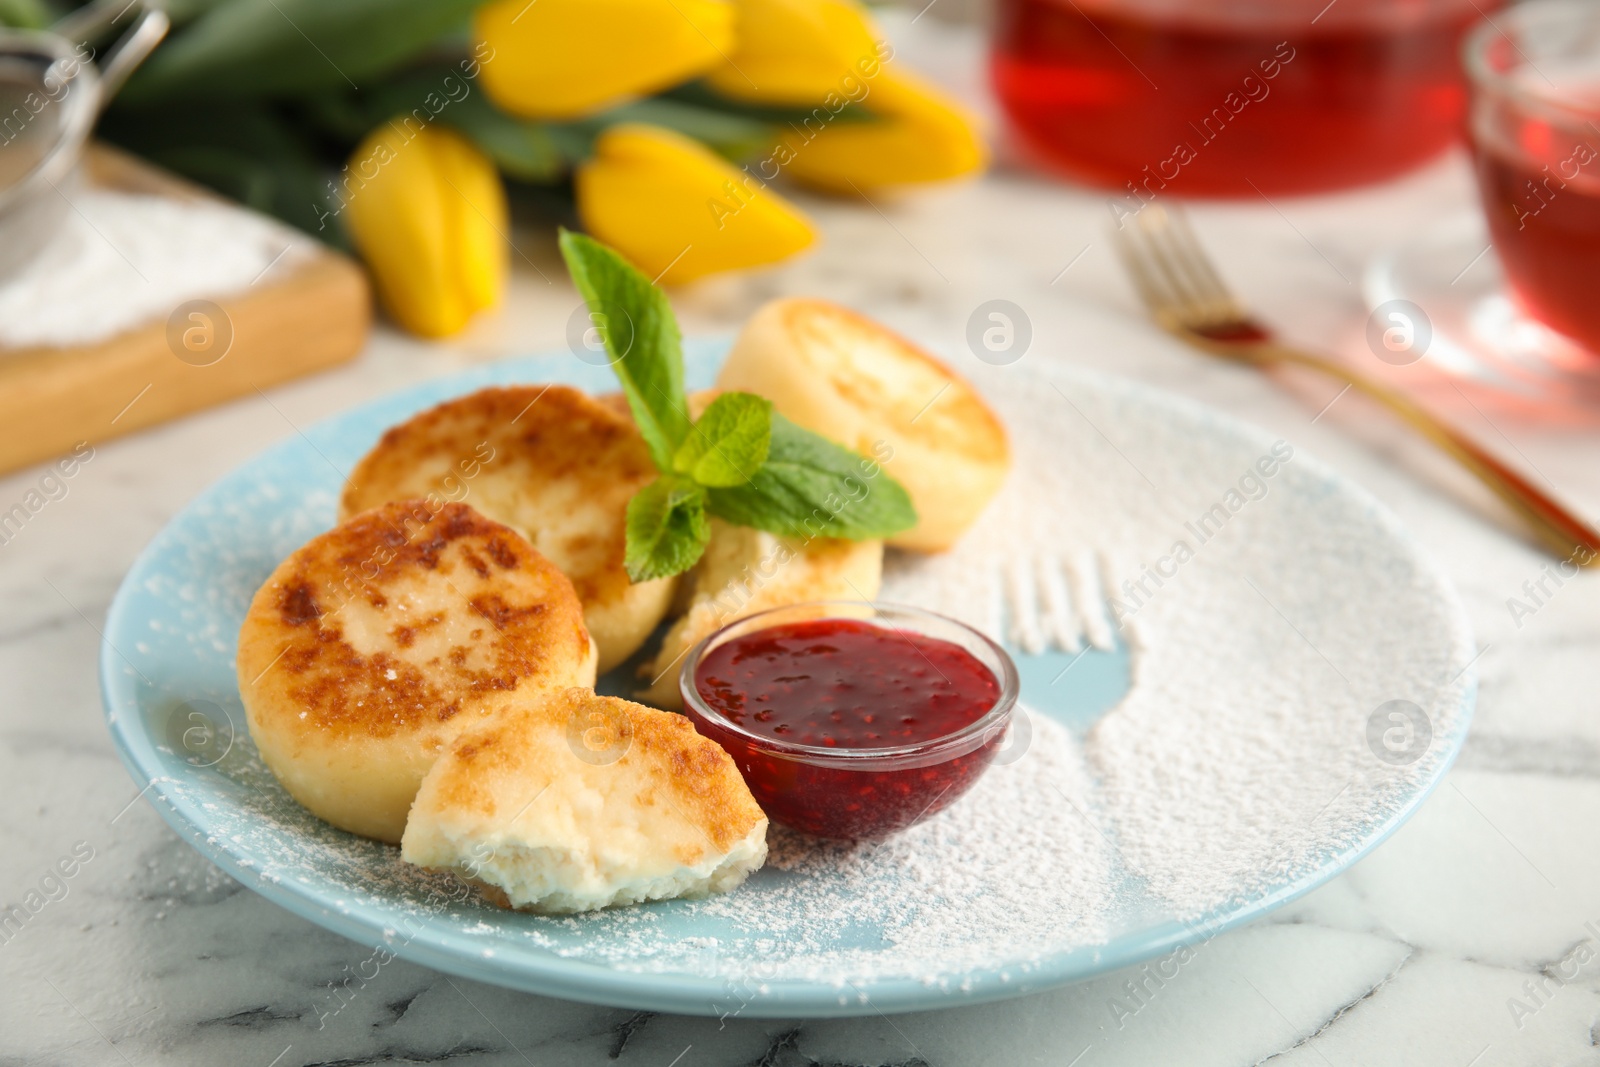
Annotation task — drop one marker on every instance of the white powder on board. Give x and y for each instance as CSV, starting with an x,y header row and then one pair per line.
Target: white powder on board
x,y
124,259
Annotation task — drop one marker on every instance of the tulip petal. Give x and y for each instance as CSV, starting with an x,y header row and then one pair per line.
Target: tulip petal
x,y
920,135
476,201
797,51
426,211
680,212
559,59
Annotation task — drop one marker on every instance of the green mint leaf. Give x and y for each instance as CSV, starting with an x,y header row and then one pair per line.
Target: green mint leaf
x,y
811,487
641,336
729,442
667,529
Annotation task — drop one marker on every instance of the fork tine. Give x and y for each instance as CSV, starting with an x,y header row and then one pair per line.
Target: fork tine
x,y
1214,303
1056,603
1173,274
1027,625
1208,279
1158,285
1143,280
1198,309
1187,245
1151,245
1085,574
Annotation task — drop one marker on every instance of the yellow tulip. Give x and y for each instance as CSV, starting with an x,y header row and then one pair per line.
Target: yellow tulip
x,y
428,214
797,51
678,211
561,59
918,134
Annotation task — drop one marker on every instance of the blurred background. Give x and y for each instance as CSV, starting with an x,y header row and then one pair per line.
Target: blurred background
x,y
427,152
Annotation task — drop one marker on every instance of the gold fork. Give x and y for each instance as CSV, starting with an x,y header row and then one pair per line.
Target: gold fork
x,y
1189,299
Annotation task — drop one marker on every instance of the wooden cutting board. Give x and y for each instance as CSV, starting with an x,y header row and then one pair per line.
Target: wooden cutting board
x,y
294,321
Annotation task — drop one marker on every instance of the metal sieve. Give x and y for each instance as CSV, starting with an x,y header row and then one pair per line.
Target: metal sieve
x,y
51,92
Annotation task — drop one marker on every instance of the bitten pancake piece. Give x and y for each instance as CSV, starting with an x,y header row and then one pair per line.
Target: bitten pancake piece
x,y
572,802
745,571
551,462
864,386
369,649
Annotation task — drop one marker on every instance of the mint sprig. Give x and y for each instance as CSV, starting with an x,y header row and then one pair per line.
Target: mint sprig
x,y
729,443
740,461
811,487
641,336
667,528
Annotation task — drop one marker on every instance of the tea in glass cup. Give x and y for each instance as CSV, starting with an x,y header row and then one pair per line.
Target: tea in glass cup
x,y
1535,130
1233,97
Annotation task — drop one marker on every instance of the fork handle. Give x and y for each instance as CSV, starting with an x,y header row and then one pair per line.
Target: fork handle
x,y
1560,530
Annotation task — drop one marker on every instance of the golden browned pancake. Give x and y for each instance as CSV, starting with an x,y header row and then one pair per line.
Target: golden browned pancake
x,y
856,382
370,648
551,462
572,801
745,571
615,402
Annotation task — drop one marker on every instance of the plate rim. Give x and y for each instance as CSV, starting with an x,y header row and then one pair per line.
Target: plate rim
x,y
542,972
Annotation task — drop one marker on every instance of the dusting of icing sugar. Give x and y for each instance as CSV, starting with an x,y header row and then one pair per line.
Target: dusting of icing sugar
x,y
982,883
1241,757
1016,869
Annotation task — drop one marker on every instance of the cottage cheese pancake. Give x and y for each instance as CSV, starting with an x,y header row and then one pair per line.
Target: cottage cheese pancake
x,y
858,383
745,571
552,463
571,802
377,643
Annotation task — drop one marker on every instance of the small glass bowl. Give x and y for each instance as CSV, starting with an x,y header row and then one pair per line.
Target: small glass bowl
x,y
858,793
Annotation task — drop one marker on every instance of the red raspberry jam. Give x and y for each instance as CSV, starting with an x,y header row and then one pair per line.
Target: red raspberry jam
x,y
846,728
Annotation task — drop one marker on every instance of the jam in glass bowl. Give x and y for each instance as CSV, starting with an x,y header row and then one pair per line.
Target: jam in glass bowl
x,y
852,720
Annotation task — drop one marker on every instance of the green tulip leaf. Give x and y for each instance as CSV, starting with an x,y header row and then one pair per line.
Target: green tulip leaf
x,y
525,151
259,48
245,151
26,14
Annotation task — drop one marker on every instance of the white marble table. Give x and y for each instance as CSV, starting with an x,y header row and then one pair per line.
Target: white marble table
x,y
1468,938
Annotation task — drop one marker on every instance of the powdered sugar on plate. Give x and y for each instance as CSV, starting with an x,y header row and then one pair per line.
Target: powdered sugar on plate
x,y
1017,868
1273,616
1013,871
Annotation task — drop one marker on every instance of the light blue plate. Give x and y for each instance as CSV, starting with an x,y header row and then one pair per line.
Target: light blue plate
x,y
172,706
